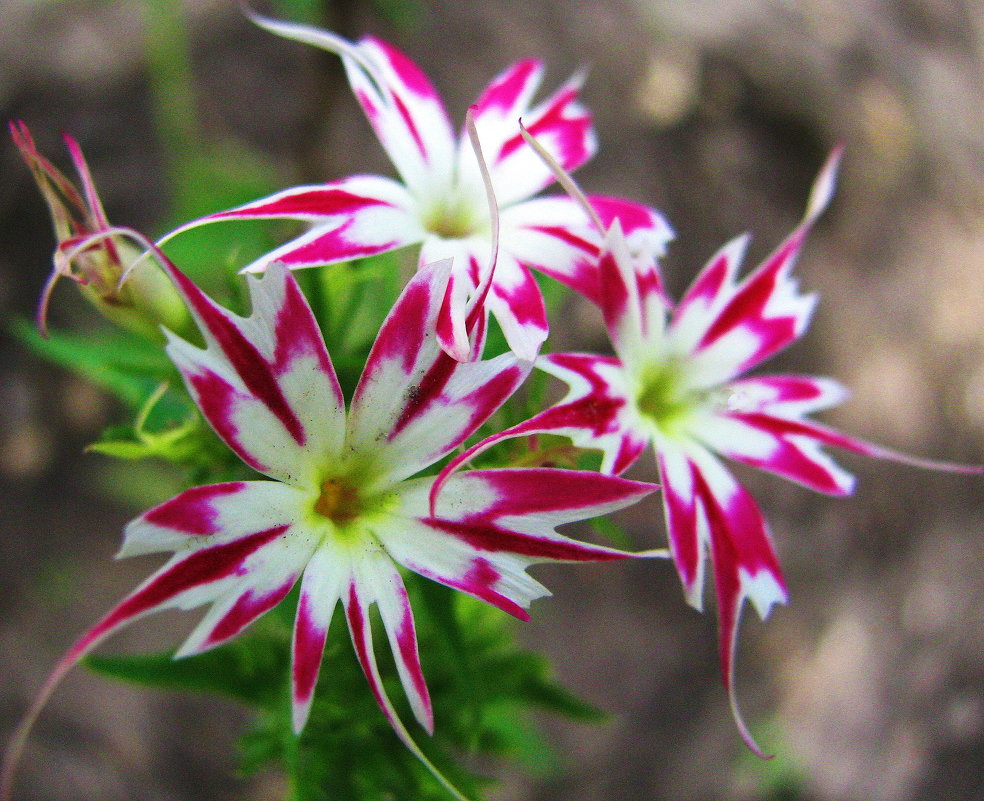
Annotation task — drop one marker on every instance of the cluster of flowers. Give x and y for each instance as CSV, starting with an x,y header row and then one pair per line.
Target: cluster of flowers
x,y
343,505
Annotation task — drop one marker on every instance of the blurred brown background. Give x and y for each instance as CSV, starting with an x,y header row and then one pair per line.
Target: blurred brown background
x,y
870,685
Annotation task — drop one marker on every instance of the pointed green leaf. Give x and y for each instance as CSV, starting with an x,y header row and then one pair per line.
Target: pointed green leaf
x,y
129,367
249,669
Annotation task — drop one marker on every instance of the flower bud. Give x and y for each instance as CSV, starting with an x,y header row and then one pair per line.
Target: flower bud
x,y
125,284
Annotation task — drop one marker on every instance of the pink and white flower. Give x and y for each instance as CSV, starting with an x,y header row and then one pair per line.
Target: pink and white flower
x,y
676,383
441,201
340,508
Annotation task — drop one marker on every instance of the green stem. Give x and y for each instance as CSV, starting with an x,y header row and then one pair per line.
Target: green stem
x,y
292,761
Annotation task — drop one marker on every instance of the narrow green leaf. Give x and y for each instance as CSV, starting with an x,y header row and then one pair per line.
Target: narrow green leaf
x,y
125,365
249,669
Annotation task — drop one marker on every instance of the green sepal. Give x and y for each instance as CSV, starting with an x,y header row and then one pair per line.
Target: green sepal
x,y
182,444
179,434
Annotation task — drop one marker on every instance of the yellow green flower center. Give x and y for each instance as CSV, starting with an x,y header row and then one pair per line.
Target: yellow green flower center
x,y
451,219
345,512
664,396
339,501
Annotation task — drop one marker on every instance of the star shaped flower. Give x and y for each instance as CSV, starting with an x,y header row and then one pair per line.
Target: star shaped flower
x,y
441,202
677,383
340,508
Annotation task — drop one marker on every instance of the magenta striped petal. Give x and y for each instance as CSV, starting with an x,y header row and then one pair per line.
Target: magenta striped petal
x,y
744,567
808,431
495,523
631,294
230,616
566,127
542,498
488,526
451,400
563,126
355,217
481,580
357,615
765,315
509,94
553,235
451,324
278,408
680,510
732,326
232,549
319,203
785,395
646,235
307,650
326,578
744,562
497,579
404,349
770,443
595,414
621,303
707,295
777,404
738,530
486,535
356,238
406,114
213,513
189,579
195,511
414,403
357,604
460,326
517,304
499,522
734,526
645,229
378,577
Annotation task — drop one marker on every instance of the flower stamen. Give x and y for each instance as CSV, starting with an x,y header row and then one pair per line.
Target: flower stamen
x,y
338,501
